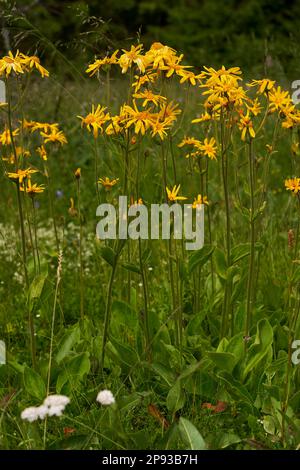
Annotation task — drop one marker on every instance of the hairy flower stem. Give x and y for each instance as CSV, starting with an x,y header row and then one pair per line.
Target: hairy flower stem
x,y
293,320
35,234
96,169
30,235
226,301
22,230
51,205
146,311
80,251
170,250
249,305
107,315
58,279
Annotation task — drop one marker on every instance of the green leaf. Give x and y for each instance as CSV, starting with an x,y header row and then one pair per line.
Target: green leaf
x,y
258,350
131,267
164,373
190,435
242,250
125,355
68,341
220,263
235,388
36,288
108,255
34,383
200,257
74,371
223,360
123,313
175,398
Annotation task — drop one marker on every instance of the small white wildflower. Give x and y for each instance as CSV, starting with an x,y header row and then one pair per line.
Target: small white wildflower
x,y
150,268
56,410
30,414
105,397
42,411
140,284
56,400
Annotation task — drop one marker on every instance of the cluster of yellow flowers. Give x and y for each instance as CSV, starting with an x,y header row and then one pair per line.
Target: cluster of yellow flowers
x,y
13,154
225,99
20,63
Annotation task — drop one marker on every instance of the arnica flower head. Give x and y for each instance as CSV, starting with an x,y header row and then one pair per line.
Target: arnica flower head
x,y
11,63
209,148
199,200
108,183
173,194
20,175
6,136
293,184
133,56
246,126
32,189
42,152
279,99
95,120
33,62
264,85
141,120
106,398
99,63
77,173
55,136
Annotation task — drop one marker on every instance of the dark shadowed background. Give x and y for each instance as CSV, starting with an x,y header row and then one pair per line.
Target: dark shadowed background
x,y
260,36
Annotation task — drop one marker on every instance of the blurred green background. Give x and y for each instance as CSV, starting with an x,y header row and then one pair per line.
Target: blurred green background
x,y
260,36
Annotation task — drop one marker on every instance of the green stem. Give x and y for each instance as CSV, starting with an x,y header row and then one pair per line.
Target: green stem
x,y
249,306
80,252
58,279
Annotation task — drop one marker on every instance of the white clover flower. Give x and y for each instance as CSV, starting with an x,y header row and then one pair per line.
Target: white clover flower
x,y
30,414
105,397
56,400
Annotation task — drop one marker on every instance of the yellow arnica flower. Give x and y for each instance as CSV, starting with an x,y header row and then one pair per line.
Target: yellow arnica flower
x,y
264,85
34,62
54,136
189,141
169,111
279,99
149,97
11,63
136,203
143,79
173,194
32,189
254,107
20,152
160,128
293,184
200,200
5,137
42,152
141,120
95,120
187,76
246,126
96,66
20,175
72,210
77,173
209,148
108,183
133,56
